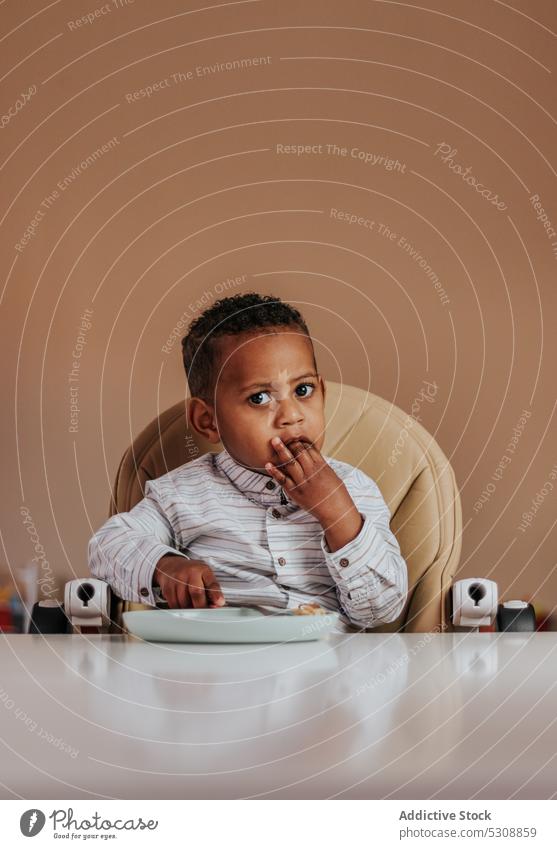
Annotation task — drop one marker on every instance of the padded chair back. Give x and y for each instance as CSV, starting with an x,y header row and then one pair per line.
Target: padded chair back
x,y
414,476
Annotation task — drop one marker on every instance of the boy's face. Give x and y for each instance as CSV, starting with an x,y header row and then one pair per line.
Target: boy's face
x,y
267,386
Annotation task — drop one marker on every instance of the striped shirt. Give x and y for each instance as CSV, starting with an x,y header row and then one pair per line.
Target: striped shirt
x,y
262,547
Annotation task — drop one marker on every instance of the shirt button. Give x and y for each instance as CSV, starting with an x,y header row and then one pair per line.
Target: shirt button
x,y
143,591
276,514
281,561
344,561
270,485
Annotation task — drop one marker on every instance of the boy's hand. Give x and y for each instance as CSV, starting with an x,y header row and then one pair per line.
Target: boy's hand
x,y
187,583
309,480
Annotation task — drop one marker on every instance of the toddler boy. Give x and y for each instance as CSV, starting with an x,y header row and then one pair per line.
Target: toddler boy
x,y
268,520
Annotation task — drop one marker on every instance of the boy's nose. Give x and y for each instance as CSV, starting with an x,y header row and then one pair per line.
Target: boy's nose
x,y
289,413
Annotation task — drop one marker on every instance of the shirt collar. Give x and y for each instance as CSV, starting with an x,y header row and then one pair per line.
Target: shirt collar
x,y
254,485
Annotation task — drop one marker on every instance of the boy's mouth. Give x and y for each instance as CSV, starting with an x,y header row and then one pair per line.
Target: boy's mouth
x,y
302,438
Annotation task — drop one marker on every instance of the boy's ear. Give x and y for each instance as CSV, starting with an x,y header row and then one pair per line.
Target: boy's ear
x,y
201,417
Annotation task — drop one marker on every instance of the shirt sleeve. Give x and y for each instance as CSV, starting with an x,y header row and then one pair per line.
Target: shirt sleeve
x,y
370,572
126,549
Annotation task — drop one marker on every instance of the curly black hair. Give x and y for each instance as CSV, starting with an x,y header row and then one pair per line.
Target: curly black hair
x,y
236,314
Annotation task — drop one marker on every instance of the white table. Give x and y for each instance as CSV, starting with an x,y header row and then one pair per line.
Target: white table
x,y
416,716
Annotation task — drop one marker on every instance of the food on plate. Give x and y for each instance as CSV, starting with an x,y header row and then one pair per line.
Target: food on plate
x,y
309,609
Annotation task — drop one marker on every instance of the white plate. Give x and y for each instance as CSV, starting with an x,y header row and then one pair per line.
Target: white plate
x,y
226,625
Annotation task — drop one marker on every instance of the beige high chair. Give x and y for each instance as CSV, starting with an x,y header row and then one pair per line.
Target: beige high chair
x,y
414,476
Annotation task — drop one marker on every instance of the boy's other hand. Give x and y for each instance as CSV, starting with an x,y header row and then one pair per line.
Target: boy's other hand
x,y
309,480
187,583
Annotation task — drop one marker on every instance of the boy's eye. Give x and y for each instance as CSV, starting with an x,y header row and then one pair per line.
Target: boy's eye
x,y
256,398
306,386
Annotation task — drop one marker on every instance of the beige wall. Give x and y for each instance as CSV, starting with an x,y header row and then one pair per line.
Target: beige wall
x,y
191,191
